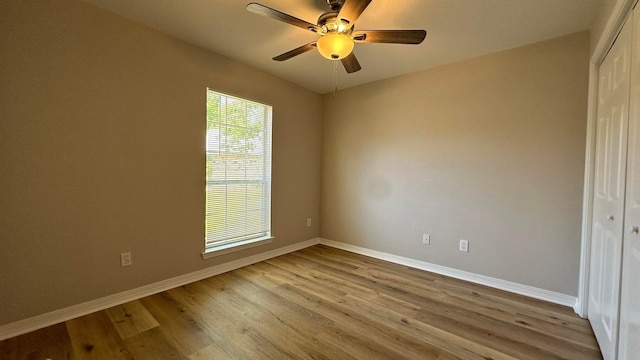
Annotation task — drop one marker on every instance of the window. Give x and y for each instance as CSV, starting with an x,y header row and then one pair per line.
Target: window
x,y
238,173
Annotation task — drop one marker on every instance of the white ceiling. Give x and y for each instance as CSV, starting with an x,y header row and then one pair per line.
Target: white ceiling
x,y
456,30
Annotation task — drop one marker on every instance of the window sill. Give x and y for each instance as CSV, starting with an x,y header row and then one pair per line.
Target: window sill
x,y
240,245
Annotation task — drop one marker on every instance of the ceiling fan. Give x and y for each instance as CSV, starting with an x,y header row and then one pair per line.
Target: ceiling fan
x,y
337,33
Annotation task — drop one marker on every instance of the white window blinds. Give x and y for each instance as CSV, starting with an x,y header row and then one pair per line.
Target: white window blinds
x,y
238,170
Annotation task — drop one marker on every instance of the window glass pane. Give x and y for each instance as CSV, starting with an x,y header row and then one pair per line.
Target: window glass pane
x,y
216,198
215,226
255,168
214,137
254,221
255,197
236,112
215,167
238,170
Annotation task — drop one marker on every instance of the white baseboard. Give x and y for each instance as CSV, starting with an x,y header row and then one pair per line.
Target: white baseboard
x,y
40,321
578,308
537,293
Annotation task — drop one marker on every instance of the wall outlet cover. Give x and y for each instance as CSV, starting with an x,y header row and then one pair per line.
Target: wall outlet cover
x,y
125,259
464,246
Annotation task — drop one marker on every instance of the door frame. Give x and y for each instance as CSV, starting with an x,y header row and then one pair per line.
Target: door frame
x,y
621,11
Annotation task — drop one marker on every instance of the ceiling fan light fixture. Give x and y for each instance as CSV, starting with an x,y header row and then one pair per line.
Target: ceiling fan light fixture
x,y
335,46
336,32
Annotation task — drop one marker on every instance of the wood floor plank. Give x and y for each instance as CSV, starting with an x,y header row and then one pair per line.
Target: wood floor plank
x,y
215,351
285,321
483,323
551,315
131,319
282,276
331,333
555,313
341,258
562,315
332,255
442,338
376,333
244,325
228,329
335,302
94,337
396,282
182,328
153,344
319,334
52,342
319,303
321,278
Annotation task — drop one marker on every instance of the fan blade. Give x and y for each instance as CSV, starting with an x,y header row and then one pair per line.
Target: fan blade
x,y
295,52
351,63
352,9
278,15
390,36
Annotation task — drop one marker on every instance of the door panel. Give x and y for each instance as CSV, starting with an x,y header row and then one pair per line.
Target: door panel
x,y
629,346
608,203
601,158
610,280
619,153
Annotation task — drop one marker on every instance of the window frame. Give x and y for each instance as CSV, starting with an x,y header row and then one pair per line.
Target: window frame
x,y
247,240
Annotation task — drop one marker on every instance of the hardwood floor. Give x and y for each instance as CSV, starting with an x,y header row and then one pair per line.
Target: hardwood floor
x,y
319,303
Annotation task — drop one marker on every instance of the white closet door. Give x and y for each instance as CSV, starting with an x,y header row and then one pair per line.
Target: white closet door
x,y
630,294
608,206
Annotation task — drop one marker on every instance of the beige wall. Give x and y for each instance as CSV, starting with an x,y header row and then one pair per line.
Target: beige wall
x,y
490,150
102,126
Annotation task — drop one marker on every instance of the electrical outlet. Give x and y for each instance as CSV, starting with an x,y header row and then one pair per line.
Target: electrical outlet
x,y
125,259
309,222
464,246
426,239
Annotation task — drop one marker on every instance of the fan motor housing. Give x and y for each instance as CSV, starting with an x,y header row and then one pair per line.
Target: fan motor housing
x,y
329,23
327,17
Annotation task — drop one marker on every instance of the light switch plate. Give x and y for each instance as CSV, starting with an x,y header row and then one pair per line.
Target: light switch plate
x,y
426,239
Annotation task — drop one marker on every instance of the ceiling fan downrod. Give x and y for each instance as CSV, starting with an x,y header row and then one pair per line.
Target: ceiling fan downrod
x,y
335,5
